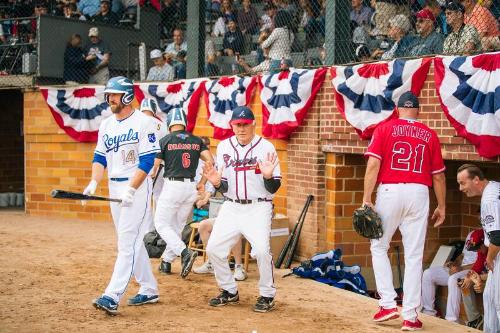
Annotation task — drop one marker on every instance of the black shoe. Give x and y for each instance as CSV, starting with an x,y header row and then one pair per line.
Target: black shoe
x,y
165,267
264,304
187,257
477,323
224,298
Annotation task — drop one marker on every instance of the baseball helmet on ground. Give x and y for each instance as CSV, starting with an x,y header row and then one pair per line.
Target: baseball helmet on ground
x,y
149,104
120,85
176,117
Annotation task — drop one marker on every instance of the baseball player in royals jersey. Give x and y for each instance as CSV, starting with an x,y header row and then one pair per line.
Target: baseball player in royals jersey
x,y
404,158
150,108
126,146
473,183
248,176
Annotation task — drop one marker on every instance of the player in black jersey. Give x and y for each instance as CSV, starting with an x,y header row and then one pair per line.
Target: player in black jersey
x,y
181,152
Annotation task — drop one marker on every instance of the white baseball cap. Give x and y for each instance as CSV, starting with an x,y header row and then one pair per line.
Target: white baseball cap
x,y
155,54
93,32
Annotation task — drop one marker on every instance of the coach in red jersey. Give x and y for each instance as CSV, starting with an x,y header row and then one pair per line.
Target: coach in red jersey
x,y
404,158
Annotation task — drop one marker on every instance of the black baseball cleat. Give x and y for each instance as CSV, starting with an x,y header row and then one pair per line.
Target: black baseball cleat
x,y
187,257
225,298
477,323
264,304
165,267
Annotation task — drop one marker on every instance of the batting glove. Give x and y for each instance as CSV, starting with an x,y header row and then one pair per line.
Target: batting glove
x,y
128,197
89,190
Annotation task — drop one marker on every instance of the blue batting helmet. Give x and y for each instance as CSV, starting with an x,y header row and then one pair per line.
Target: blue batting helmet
x,y
176,117
120,85
149,104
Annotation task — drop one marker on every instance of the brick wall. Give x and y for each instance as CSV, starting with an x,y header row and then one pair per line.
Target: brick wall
x,y
11,141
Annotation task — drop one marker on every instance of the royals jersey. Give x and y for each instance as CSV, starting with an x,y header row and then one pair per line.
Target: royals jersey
x,y
490,209
122,142
409,152
161,128
241,168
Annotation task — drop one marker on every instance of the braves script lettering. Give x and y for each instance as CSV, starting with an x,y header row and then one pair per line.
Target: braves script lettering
x,y
229,162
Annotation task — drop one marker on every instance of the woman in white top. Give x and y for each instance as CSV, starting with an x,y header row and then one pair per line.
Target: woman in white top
x,y
279,41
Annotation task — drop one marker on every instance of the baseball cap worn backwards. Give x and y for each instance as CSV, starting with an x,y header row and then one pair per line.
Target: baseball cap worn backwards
x,y
242,115
408,100
154,54
475,241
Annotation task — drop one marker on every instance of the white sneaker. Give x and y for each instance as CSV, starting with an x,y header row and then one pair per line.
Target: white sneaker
x,y
239,273
206,268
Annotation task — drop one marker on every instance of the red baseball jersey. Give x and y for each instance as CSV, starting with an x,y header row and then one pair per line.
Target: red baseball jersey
x,y
409,152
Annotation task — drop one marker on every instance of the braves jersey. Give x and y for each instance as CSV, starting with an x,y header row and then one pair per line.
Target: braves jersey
x,y
490,209
409,152
241,168
122,142
181,152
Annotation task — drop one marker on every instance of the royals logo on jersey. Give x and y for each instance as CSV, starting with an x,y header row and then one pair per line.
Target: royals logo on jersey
x,y
151,137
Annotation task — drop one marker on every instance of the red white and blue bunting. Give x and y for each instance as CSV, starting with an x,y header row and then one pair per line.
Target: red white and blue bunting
x,y
222,96
169,95
469,91
366,94
286,97
78,111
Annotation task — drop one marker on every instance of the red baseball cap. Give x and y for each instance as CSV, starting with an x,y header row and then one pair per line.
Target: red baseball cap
x,y
475,241
426,14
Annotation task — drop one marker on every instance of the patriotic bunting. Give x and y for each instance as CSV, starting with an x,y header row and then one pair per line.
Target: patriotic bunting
x,y
169,95
469,91
222,96
286,97
366,94
78,111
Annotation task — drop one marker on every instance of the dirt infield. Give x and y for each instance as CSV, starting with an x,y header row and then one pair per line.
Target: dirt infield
x,y
51,269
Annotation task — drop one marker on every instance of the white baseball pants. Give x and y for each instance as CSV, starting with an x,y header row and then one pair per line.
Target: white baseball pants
x,y
253,221
491,300
403,206
174,205
439,276
131,226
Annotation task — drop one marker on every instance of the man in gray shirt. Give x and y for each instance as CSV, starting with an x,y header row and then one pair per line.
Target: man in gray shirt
x,y
429,41
161,71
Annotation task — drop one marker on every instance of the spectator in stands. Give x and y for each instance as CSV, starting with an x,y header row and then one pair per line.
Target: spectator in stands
x,y
263,67
428,41
248,21
169,18
227,11
494,7
211,68
89,8
363,53
267,19
310,21
279,41
220,27
99,54
161,71
291,8
436,9
360,13
233,42
75,66
463,38
71,12
485,23
386,10
130,9
105,15
399,28
472,282
449,275
180,65
178,44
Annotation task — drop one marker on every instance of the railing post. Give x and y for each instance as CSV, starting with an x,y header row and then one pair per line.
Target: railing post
x,y
338,32
195,61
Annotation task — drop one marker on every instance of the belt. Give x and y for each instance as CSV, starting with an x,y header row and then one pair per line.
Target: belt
x,y
181,179
118,179
247,202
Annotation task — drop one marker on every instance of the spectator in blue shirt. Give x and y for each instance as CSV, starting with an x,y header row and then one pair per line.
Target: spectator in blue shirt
x,y
360,14
89,8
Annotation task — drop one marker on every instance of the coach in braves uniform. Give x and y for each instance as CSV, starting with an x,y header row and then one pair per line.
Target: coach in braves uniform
x,y
150,108
473,183
126,146
181,152
404,157
248,176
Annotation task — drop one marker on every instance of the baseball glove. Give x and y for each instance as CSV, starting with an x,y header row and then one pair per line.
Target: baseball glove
x,y
367,223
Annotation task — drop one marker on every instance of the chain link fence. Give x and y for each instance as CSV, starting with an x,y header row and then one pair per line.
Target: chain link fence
x,y
87,41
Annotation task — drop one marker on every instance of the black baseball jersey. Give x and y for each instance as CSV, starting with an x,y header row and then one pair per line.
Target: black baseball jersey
x,y
181,152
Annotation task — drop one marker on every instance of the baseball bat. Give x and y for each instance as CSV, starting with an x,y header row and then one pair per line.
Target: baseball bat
x,y
293,247
157,175
60,194
288,242
399,290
